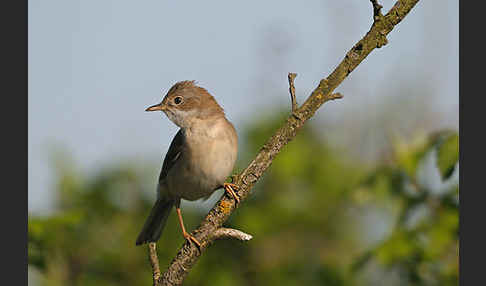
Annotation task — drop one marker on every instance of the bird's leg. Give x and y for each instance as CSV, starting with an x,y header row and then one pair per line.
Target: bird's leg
x,y
186,235
228,187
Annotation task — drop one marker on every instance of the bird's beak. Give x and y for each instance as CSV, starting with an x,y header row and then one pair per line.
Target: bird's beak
x,y
156,107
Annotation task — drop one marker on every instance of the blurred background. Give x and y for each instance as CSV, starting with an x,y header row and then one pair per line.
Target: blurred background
x,y
366,194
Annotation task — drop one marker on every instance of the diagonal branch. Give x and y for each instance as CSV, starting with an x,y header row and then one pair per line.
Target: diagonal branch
x,y
375,38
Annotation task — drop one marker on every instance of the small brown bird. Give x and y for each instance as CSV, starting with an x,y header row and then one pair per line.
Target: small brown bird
x,y
200,157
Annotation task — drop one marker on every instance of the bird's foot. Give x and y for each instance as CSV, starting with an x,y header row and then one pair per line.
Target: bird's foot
x,y
191,238
228,187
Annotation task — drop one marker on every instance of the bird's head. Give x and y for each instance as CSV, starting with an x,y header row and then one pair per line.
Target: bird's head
x,y
185,103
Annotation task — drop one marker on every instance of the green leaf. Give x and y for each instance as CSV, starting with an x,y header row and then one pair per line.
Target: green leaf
x,y
448,155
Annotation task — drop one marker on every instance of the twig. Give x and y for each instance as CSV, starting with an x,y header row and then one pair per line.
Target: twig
x,y
154,261
222,233
336,95
291,77
188,254
376,10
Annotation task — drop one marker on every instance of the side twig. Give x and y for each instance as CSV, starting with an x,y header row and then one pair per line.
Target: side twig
x,y
223,233
291,77
154,262
188,255
376,10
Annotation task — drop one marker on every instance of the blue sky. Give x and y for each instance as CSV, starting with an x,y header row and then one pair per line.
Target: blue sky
x,y
94,66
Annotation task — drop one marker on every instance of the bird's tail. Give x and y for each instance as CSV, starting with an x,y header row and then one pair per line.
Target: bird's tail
x,y
155,223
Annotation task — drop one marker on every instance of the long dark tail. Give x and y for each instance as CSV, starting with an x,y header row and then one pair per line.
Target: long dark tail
x,y
155,223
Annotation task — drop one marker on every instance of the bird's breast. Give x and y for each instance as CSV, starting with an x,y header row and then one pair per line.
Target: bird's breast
x,y
207,160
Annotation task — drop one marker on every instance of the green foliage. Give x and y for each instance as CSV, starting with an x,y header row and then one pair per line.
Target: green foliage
x,y
423,243
314,217
448,155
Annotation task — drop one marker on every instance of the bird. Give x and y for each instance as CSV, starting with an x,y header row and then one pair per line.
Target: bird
x,y
200,158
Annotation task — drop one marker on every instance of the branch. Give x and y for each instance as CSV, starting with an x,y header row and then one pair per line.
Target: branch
x,y
375,38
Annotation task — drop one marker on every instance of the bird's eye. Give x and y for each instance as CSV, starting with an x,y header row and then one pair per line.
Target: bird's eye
x,y
178,100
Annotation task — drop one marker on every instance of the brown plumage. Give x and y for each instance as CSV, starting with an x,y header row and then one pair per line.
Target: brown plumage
x,y
194,97
200,157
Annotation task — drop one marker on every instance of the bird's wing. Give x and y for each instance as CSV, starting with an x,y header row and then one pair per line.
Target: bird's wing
x,y
172,155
